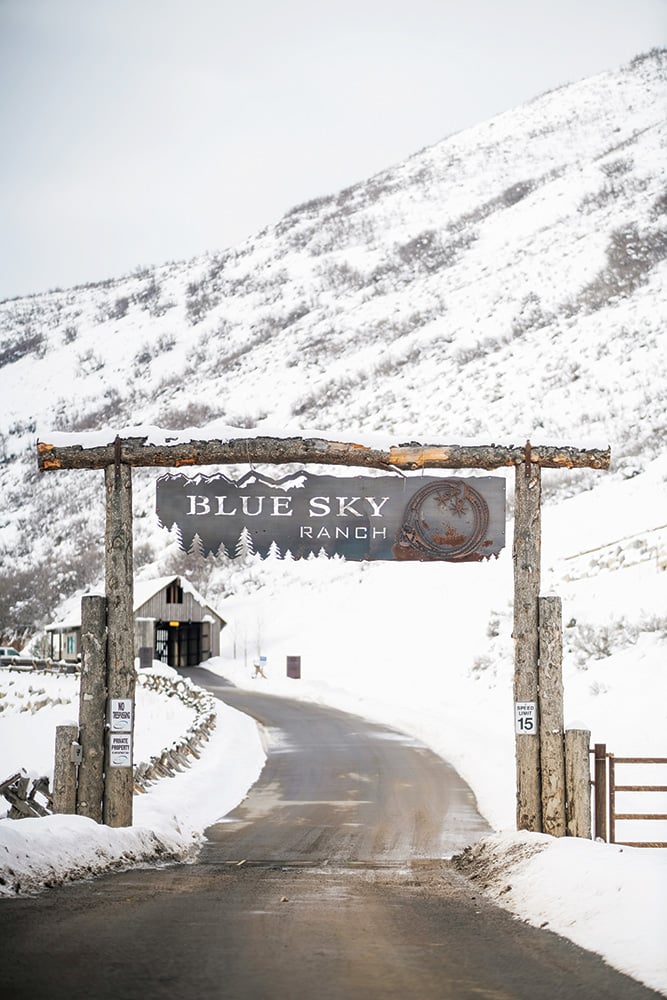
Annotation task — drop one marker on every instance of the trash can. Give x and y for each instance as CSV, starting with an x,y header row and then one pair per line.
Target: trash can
x,y
294,667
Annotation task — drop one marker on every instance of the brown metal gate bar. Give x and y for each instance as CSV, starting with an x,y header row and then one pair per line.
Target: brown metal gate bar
x,y
613,788
600,787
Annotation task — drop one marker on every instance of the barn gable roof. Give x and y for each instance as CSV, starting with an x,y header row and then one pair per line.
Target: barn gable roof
x,y
144,590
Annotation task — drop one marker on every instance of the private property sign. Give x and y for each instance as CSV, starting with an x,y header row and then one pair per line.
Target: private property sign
x,y
360,518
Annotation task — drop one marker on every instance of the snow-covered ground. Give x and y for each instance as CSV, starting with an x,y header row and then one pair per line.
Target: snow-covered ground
x,y
375,640
168,820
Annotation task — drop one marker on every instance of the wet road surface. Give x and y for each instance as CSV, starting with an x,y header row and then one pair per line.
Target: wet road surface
x,y
328,883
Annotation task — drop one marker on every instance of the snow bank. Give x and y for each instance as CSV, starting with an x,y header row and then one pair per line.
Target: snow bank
x,y
606,898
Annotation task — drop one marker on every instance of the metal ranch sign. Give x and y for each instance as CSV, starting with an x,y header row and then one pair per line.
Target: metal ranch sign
x,y
360,518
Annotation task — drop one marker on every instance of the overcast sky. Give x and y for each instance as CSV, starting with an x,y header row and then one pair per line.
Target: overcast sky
x,y
140,131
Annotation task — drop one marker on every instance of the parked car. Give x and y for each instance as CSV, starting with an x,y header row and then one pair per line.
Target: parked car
x,y
8,651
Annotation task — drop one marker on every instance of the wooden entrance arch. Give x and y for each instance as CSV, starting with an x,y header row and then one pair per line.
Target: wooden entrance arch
x,y
536,806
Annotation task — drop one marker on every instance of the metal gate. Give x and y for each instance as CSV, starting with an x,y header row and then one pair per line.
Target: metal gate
x,y
607,786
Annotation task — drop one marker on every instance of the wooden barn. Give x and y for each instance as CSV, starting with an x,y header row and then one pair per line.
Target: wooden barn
x,y
172,623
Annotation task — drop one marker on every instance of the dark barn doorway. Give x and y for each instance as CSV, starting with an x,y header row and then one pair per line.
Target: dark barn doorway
x,y
179,644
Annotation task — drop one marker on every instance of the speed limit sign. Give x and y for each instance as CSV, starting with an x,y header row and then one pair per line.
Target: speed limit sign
x,y
525,717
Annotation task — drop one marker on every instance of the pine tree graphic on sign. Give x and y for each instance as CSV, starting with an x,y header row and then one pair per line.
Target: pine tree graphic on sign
x,y
197,547
244,546
274,551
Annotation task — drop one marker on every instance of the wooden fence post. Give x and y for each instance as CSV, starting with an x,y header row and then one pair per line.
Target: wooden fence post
x,y
552,751
64,774
119,776
526,552
578,782
92,706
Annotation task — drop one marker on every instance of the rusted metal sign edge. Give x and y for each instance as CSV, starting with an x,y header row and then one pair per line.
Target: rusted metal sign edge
x,y
399,518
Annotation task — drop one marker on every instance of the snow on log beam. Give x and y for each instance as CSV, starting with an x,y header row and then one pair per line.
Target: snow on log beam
x,y
138,452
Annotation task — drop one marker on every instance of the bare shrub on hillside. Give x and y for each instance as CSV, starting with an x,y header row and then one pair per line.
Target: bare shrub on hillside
x,y
511,195
517,192
25,598
343,276
631,256
147,293
119,308
190,414
247,420
221,358
335,390
25,343
391,364
657,55
149,297
298,312
419,251
429,252
93,285
380,185
531,316
89,362
321,347
609,192
198,302
597,642
149,351
165,342
143,357
475,352
23,427
111,410
618,167
389,275
29,597
659,206
217,268
313,236
240,284
312,207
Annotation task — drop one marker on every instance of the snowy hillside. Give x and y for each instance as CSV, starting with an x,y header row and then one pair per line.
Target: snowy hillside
x,y
506,283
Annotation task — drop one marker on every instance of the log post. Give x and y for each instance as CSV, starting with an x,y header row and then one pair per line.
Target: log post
x,y
550,684
92,706
118,779
526,552
578,782
64,774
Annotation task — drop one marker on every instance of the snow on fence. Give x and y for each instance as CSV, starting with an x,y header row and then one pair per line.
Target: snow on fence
x,y
180,753
39,801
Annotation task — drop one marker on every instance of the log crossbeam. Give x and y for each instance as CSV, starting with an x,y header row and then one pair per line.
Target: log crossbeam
x,y
138,452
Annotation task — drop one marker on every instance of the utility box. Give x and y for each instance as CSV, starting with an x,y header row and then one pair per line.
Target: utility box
x,y
145,657
294,667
